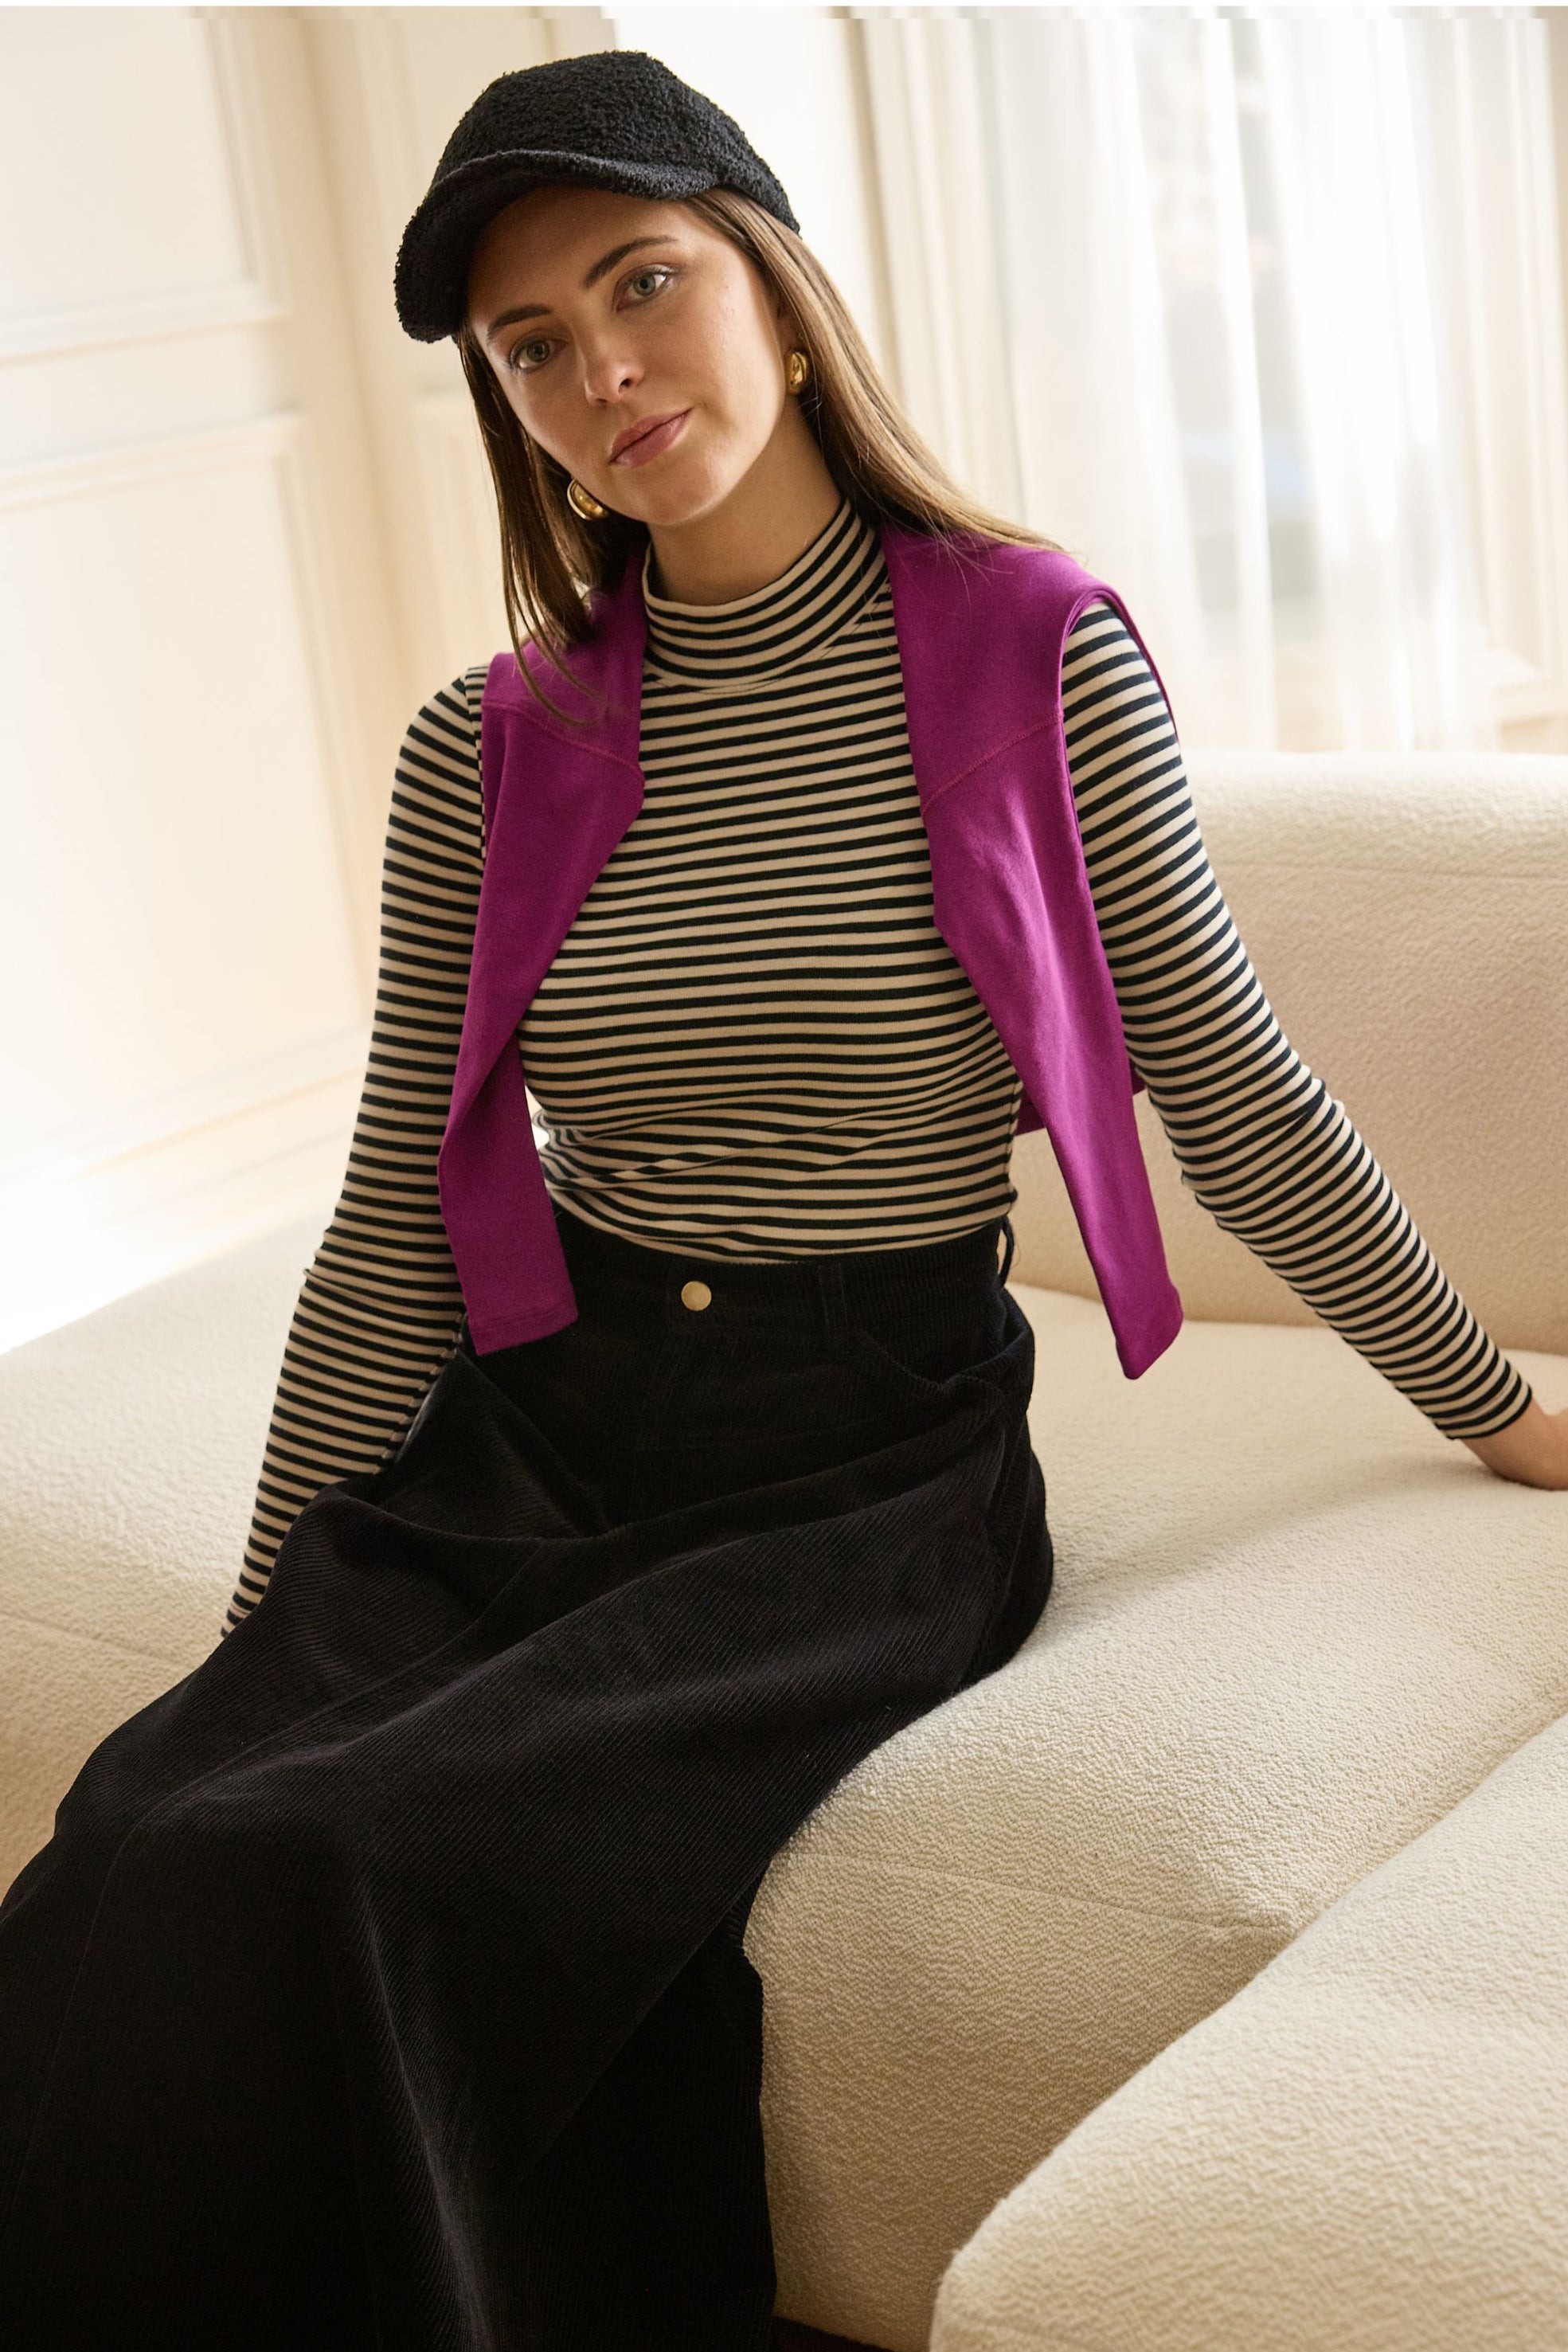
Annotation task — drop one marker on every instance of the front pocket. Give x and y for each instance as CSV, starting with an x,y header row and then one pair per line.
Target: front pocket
x,y
942,1365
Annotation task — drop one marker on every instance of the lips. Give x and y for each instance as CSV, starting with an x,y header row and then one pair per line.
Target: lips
x,y
627,442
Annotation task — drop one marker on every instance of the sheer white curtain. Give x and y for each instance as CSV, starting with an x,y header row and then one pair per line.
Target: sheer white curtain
x,y
1260,314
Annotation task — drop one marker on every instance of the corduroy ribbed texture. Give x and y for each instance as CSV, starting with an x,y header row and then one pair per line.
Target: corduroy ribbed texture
x,y
383,1983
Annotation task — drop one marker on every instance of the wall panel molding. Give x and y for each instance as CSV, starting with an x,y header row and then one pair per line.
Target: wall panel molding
x,y
92,1146
120,465
103,326
236,83
463,528
356,826
198,1172
284,441
188,483
258,297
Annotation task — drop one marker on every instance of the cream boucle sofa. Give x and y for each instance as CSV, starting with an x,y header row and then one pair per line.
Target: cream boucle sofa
x,y
1365,2149
1197,1979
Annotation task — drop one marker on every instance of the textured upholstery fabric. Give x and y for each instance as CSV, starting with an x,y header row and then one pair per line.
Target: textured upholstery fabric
x,y
1292,1625
408,1928
129,1444
1406,915
1365,2151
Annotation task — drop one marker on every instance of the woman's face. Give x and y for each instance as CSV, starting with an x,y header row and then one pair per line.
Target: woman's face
x,y
599,312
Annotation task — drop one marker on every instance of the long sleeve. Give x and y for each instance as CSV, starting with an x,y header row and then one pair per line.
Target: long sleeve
x,y
379,1308
1271,1155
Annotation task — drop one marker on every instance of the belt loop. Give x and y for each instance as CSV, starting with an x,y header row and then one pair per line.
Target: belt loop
x,y
1008,1260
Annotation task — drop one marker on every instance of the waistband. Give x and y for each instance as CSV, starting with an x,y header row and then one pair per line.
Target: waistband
x,y
823,1294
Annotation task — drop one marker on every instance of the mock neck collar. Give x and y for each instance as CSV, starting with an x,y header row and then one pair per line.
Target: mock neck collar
x,y
777,627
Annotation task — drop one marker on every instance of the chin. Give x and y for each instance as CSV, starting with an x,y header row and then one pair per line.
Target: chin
x,y
668,504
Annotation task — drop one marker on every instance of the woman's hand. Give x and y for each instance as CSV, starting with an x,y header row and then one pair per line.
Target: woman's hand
x,y
1532,1450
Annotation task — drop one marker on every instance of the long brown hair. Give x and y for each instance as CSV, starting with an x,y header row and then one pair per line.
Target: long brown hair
x,y
551,558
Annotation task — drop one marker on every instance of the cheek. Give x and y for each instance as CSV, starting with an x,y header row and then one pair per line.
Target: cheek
x,y
720,352
547,418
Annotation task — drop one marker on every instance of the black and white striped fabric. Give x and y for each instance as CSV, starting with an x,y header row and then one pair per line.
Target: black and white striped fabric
x,y
754,1043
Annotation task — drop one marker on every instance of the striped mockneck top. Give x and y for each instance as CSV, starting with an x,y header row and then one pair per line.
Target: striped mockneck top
x,y
754,1041
777,779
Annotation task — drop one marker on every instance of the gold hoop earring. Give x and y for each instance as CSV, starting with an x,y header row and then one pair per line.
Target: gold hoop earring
x,y
797,368
583,503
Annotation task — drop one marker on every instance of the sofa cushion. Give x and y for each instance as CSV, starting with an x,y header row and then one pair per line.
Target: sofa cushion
x,y
130,1444
1292,1625
1365,2151
1432,889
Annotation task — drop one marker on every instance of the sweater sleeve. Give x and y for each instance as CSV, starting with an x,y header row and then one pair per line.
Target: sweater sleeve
x,y
379,1308
1272,1156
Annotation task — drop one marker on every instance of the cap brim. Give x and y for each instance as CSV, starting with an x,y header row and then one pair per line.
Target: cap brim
x,y
431,277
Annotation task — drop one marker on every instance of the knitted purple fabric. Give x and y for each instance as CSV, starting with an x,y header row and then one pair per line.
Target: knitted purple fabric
x,y
981,628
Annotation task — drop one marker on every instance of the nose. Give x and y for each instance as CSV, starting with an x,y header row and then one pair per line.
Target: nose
x,y
606,374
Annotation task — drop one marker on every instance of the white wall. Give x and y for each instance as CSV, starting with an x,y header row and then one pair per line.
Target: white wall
x,y
791,78
244,529
188,549
391,84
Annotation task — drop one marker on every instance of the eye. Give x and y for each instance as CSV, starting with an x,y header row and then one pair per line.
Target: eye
x,y
530,342
651,269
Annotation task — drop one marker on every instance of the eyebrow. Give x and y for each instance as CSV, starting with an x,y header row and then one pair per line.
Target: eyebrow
x,y
606,261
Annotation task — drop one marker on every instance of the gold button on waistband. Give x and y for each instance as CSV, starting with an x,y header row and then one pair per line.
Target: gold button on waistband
x,y
696,1294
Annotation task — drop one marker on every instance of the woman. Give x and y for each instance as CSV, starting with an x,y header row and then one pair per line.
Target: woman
x,y
384,1982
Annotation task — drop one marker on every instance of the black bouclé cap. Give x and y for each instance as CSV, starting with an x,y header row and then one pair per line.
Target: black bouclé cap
x,y
612,119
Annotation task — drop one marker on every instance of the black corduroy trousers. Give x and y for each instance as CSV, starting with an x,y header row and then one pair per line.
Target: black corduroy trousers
x,y
383,1982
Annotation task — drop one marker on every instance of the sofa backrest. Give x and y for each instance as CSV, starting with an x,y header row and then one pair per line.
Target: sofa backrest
x,y
1407,916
